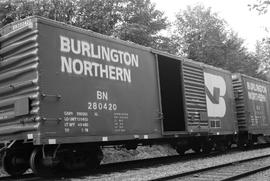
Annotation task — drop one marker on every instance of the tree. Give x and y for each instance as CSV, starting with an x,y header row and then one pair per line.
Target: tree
x,y
133,20
168,44
98,15
263,54
59,10
206,38
141,22
201,32
261,6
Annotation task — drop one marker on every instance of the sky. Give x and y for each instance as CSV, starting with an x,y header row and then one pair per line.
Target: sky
x,y
249,25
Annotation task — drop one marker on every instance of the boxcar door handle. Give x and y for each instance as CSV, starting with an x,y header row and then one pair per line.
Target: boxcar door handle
x,y
57,96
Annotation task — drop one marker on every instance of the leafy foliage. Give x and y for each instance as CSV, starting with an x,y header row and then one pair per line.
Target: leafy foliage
x,y
261,6
60,10
198,29
205,38
263,54
133,20
263,46
99,16
141,22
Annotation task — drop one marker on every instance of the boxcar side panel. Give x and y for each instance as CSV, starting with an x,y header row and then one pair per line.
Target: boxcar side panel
x,y
194,93
209,99
258,105
95,88
220,101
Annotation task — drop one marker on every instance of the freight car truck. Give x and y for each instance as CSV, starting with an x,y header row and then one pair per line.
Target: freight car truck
x,y
65,92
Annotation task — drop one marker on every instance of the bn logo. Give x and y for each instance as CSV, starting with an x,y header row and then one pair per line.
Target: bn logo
x,y
215,88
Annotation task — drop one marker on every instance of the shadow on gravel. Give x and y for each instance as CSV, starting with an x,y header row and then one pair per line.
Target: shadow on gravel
x,y
128,165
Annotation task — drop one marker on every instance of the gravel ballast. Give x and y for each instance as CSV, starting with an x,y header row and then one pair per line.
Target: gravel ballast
x,y
184,166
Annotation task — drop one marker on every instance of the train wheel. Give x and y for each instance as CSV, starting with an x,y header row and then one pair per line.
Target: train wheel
x,y
15,163
37,164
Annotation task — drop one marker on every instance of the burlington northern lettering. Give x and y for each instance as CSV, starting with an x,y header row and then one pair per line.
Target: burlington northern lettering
x,y
120,61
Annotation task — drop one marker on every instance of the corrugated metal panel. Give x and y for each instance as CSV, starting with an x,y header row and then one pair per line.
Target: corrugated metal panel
x,y
195,96
19,102
240,102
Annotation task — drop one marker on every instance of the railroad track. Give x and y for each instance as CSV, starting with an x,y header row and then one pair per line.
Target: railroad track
x,y
225,172
25,177
112,168
120,166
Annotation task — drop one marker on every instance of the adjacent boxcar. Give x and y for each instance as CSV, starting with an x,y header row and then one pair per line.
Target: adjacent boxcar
x,y
253,107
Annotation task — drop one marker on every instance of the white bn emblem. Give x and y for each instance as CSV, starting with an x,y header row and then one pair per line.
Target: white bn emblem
x,y
215,91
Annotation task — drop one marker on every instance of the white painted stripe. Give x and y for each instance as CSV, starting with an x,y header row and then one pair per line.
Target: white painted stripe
x,y
52,141
145,136
29,136
104,138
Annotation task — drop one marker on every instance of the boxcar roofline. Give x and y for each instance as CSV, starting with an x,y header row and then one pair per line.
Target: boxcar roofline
x,y
111,39
80,30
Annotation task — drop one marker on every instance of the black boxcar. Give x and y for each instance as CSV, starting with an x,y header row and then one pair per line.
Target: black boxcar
x,y
65,91
71,85
61,86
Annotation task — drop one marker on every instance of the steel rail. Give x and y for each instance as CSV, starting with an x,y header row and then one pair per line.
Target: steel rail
x,y
109,168
229,178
